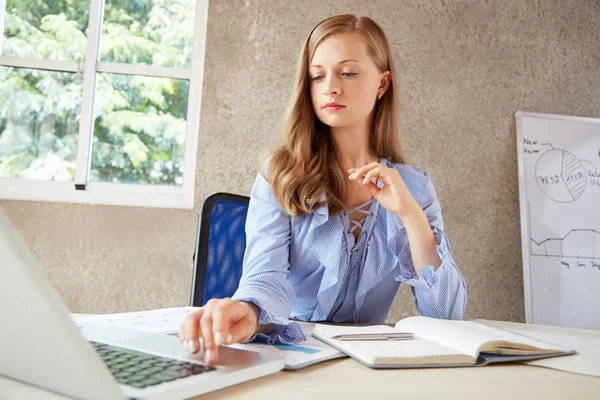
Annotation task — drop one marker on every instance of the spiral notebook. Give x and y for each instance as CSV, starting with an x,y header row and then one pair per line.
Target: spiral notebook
x,y
438,343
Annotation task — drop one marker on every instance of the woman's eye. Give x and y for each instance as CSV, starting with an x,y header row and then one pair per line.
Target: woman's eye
x,y
346,74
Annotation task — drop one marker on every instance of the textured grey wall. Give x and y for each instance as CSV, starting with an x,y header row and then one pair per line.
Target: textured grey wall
x,y
464,69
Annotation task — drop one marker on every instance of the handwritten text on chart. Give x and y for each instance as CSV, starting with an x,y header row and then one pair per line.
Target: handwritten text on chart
x,y
558,170
580,264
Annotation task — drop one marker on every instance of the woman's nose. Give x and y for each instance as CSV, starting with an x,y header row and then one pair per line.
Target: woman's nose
x,y
332,86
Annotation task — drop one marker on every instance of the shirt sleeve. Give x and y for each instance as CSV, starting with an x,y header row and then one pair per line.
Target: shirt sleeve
x,y
264,280
443,293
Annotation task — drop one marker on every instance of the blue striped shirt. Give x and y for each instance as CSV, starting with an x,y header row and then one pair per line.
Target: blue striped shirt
x,y
301,267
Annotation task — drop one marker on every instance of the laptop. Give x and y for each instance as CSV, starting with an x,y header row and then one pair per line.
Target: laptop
x,y
40,345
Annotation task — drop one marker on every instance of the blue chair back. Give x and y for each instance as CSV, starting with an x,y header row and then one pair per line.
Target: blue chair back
x,y
220,246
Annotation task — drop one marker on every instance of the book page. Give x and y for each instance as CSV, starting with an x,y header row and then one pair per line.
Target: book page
x,y
445,333
333,330
505,335
585,342
393,352
398,352
469,337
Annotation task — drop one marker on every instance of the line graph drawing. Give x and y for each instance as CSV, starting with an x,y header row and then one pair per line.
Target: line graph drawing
x,y
582,244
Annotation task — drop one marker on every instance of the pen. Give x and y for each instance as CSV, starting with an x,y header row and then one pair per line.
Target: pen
x,y
376,336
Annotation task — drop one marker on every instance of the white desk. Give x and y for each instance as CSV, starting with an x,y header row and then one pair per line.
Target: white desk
x,y
347,379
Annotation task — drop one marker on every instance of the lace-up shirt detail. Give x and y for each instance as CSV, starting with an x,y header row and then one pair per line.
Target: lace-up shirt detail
x,y
305,267
344,308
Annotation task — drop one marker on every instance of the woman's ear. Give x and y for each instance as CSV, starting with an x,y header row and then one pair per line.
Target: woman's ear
x,y
384,83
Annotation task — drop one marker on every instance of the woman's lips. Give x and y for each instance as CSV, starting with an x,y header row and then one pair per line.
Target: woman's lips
x,y
334,108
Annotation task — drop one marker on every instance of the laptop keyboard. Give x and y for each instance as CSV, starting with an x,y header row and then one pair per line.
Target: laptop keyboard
x,y
130,367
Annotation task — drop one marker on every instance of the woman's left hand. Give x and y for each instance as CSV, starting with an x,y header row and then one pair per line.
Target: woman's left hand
x,y
394,196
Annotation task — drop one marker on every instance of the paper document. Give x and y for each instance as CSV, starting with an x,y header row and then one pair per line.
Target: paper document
x,y
166,321
297,356
163,321
586,342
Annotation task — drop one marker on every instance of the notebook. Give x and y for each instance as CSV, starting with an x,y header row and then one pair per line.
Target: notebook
x,y
438,343
585,342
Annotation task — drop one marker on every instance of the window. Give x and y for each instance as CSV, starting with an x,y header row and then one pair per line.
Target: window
x,y
100,100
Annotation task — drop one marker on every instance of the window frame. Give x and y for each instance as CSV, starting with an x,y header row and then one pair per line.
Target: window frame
x,y
81,190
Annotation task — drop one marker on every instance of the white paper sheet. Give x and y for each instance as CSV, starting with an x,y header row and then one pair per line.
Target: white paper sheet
x,y
300,355
162,321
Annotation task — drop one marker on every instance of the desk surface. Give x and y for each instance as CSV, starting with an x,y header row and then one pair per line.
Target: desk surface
x,y
347,379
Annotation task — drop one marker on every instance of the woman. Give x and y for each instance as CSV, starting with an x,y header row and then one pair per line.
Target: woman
x,y
336,219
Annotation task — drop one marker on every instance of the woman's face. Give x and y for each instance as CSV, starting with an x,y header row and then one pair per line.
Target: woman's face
x,y
342,72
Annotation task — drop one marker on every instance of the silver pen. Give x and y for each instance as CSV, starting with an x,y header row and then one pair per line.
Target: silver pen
x,y
375,336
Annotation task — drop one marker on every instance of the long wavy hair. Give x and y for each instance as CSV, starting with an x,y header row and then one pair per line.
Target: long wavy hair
x,y
305,166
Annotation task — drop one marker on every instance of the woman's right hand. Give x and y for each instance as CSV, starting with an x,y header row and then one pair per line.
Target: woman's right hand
x,y
220,321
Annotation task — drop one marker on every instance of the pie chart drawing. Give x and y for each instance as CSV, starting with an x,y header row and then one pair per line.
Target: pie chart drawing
x,y
560,175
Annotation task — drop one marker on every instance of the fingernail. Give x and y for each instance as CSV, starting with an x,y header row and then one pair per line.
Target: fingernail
x,y
185,346
365,180
208,356
192,346
229,338
219,338
353,175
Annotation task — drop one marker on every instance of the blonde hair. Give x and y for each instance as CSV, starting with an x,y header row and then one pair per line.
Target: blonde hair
x,y
305,166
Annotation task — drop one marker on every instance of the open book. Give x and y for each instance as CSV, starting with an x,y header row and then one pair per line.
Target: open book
x,y
437,343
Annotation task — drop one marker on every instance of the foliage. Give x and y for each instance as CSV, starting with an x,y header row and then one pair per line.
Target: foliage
x,y
140,122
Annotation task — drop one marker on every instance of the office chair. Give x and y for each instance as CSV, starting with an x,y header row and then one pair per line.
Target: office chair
x,y
220,245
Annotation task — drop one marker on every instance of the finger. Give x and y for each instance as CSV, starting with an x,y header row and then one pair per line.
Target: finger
x,y
220,328
372,175
362,171
357,174
373,189
222,320
181,330
206,330
191,331
390,176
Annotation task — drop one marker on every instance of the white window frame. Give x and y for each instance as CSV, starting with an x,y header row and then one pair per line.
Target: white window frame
x,y
82,190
